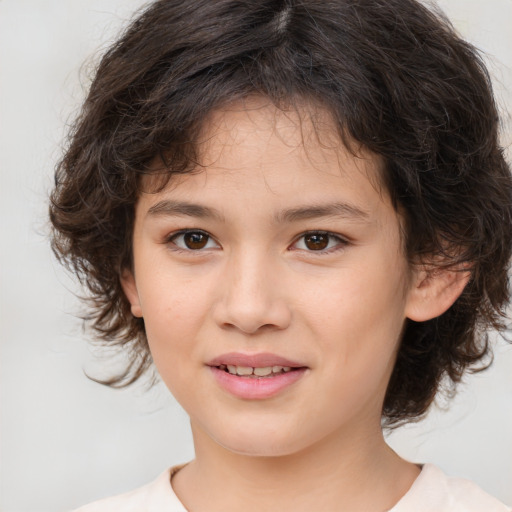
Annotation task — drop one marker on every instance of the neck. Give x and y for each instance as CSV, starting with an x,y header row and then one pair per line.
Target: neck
x,y
336,473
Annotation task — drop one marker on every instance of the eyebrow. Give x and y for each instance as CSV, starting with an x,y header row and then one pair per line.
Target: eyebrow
x,y
184,209
343,210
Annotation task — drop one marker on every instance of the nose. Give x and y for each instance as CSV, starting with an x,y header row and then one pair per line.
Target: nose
x,y
252,299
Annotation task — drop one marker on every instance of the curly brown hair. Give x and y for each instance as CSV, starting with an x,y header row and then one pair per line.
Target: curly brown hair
x,y
396,78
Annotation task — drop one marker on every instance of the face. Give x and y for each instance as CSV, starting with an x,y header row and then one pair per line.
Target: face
x,y
280,258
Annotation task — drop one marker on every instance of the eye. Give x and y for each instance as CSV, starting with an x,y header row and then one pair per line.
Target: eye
x,y
319,241
193,240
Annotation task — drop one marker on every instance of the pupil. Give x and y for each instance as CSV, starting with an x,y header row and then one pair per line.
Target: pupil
x,y
317,242
195,240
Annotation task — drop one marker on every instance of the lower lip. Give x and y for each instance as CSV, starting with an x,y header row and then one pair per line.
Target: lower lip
x,y
256,388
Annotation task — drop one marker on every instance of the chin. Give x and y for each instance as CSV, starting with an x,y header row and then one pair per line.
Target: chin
x,y
261,442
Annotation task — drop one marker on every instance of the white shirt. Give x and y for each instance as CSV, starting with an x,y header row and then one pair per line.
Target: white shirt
x,y
432,491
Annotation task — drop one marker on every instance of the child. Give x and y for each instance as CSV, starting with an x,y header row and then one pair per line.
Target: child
x,y
299,212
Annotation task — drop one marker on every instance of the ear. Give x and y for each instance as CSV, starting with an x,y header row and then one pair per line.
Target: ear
x,y
130,290
434,290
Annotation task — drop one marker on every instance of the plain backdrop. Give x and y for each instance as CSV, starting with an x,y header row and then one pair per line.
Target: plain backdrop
x,y
65,440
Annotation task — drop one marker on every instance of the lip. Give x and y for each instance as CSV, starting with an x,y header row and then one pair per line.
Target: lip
x,y
255,388
260,360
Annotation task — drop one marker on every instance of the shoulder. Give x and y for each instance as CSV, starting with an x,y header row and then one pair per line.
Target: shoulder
x,y
153,497
434,491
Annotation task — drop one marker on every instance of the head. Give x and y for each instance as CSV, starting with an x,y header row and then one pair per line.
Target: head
x,y
388,83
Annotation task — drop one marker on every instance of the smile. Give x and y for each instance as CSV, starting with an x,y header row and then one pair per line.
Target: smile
x,y
249,371
256,376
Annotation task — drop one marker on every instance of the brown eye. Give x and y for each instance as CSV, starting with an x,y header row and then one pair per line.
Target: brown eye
x,y
193,241
321,242
316,241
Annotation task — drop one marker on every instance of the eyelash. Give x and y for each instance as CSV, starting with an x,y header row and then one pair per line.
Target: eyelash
x,y
341,242
173,236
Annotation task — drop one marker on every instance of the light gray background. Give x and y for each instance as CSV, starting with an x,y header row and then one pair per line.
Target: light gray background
x,y
65,440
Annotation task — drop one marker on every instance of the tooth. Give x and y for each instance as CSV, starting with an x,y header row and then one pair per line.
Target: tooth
x,y
261,372
244,370
232,369
287,369
277,369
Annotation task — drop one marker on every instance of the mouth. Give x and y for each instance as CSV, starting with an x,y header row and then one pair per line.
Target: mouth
x,y
256,376
257,372
263,364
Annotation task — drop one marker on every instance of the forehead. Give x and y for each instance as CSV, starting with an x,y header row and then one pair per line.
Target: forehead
x,y
303,129
296,125
252,135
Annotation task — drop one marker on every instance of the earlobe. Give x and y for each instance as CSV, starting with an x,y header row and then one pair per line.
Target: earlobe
x,y
434,291
130,290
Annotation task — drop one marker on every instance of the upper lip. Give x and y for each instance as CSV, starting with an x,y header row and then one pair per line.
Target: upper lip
x,y
261,360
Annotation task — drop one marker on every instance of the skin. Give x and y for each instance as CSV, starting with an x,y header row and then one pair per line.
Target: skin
x,y
258,285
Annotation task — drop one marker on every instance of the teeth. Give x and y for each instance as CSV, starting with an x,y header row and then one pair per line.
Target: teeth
x,y
245,371
262,372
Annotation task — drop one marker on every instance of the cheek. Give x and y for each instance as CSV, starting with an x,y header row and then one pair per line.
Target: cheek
x,y
170,300
358,319
173,313
356,300
357,338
